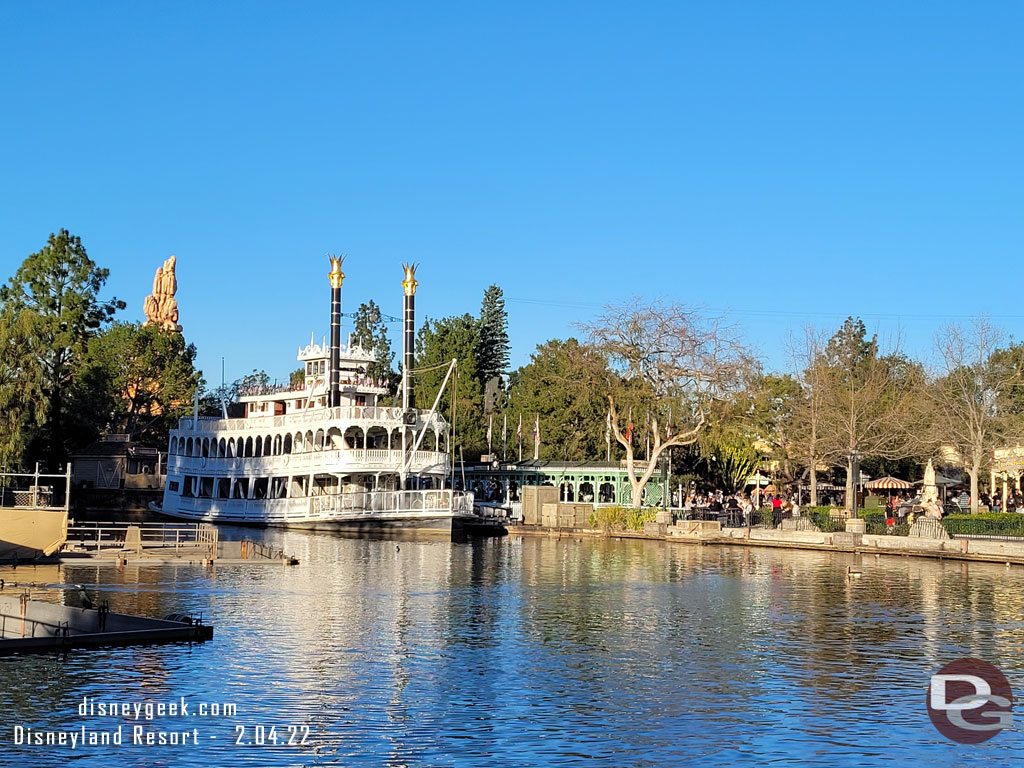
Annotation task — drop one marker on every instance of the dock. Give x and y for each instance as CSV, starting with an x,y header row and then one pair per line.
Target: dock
x,y
31,626
160,543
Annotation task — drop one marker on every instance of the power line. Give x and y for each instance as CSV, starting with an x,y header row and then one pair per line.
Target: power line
x,y
782,312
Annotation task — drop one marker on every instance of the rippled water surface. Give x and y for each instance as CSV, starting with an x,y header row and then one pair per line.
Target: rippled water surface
x,y
535,651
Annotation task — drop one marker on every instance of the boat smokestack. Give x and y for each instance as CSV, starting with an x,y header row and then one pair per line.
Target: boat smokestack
x,y
408,334
336,276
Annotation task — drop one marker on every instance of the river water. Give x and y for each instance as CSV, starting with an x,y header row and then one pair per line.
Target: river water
x,y
531,652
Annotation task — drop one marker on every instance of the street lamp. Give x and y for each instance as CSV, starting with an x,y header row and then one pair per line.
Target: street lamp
x,y
854,458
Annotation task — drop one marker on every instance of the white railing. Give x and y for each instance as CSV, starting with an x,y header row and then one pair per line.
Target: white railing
x,y
329,507
316,461
97,536
312,417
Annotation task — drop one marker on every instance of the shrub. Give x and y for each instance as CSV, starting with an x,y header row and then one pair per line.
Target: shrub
x,y
985,524
621,518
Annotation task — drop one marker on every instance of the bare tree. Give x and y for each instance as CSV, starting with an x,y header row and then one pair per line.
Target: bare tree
x,y
866,400
684,360
810,369
966,394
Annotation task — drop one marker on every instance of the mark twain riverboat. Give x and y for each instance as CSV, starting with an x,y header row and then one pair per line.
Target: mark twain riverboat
x,y
325,454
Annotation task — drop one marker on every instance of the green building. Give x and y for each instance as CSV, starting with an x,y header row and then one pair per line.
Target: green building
x,y
596,482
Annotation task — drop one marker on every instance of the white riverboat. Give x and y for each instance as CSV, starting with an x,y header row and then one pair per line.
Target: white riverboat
x,y
326,454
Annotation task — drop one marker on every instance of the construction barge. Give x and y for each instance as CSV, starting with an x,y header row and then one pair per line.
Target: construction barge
x,y
32,626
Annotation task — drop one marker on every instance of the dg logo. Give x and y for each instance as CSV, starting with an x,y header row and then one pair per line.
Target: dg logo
x,y
970,701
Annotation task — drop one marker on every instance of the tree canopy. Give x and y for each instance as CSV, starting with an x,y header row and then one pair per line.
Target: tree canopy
x,y
145,376
51,307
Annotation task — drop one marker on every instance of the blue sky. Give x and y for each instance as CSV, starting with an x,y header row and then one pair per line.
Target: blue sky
x,y
792,162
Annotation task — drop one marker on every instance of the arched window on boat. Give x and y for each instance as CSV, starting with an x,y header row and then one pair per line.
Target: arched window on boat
x,y
277,445
174,445
333,439
248,446
222,448
231,448
188,447
354,438
307,441
287,447
258,447
206,448
297,446
268,446
377,438
318,440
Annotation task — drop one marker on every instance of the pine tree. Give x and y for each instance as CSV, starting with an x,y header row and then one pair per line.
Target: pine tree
x,y
52,302
492,345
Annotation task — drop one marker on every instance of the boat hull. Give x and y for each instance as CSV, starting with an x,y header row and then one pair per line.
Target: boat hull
x,y
441,523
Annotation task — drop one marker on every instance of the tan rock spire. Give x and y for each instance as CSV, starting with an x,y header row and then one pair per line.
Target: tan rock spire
x,y
161,307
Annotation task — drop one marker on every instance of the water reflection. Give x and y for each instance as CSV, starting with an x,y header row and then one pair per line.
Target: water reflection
x,y
537,651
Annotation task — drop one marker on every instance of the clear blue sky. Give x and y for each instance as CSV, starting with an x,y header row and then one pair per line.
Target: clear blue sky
x,y
796,162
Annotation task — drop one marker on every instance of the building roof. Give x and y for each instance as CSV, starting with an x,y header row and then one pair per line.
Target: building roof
x,y
113,445
101,449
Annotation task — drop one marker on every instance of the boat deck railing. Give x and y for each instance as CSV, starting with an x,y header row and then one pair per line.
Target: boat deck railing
x,y
332,506
391,415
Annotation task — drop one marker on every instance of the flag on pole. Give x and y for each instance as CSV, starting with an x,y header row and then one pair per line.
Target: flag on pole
x,y
536,437
629,427
504,435
490,424
519,436
608,436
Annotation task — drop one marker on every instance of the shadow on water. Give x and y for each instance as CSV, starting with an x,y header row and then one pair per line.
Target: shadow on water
x,y
537,651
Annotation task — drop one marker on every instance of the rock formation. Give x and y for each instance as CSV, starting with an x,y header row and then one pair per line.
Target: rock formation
x,y
160,307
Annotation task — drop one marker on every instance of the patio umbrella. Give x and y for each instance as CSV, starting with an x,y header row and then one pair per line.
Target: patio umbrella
x,y
888,483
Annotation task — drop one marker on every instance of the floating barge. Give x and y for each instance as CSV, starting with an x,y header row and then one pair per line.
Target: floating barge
x,y
32,626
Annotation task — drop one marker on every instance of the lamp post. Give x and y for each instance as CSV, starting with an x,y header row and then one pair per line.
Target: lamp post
x,y
854,458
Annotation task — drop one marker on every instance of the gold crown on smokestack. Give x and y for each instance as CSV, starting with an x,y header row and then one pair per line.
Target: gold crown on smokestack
x,y
336,275
409,284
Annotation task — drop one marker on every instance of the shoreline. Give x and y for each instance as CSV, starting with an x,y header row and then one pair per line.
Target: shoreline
x,y
969,550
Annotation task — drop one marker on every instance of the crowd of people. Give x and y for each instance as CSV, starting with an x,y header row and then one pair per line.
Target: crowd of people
x,y
742,504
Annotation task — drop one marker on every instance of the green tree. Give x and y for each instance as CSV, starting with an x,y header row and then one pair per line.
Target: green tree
x,y
371,332
492,342
437,344
297,378
53,303
734,459
566,383
22,405
137,379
